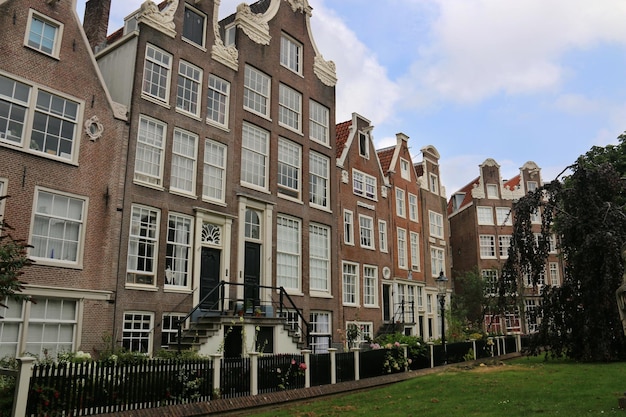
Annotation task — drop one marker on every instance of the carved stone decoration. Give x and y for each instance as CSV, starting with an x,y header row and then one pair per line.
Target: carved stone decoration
x,y
325,71
162,21
120,111
301,5
93,128
478,190
211,233
383,191
253,24
344,176
227,55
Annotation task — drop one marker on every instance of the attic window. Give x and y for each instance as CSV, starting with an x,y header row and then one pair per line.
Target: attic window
x,y
363,145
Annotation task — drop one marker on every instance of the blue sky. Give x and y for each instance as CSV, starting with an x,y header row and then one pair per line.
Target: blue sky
x,y
515,80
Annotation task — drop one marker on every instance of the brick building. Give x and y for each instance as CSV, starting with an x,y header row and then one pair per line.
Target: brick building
x,y
62,156
481,226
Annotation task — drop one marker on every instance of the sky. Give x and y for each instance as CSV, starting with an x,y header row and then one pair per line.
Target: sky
x,y
514,80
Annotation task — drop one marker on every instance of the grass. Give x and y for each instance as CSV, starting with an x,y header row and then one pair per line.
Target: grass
x,y
521,387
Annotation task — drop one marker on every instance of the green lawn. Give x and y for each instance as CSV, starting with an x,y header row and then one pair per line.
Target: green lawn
x,y
521,387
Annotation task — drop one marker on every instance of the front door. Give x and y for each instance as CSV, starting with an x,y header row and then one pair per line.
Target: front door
x,y
210,278
387,306
252,274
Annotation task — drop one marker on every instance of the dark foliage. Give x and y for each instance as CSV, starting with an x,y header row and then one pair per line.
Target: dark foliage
x,y
13,258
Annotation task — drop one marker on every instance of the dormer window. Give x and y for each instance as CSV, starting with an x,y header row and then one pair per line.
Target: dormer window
x,y
363,145
404,169
492,191
194,26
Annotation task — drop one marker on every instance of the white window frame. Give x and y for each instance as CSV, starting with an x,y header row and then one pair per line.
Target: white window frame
x,y
289,176
435,224
504,243
184,151
400,203
487,246
370,285
164,67
490,279
402,248
535,217
404,169
413,205
350,283
382,236
437,260
319,179
321,334
169,330
150,150
289,253
189,83
147,273
47,219
257,91
484,215
319,258
555,279
288,48
179,249
366,232
218,101
531,185
504,216
46,22
364,185
140,335
492,191
433,185
415,250
348,227
204,25
319,120
255,151
214,172
289,108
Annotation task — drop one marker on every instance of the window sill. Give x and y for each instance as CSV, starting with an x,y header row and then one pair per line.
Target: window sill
x,y
141,287
217,125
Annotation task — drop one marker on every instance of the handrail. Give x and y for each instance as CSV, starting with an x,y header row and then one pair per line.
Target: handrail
x,y
307,325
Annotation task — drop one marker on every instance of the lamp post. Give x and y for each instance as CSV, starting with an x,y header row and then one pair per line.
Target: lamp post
x,y
442,283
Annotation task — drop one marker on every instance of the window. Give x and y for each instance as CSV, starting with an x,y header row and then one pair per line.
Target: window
x,y
256,91
178,251
319,257
183,175
532,185
289,167
552,243
364,148
541,279
366,231
43,34
535,217
318,122
320,331
11,326
194,25
137,333
415,251
429,303
230,34
350,283
288,252
58,223
364,185
382,235
370,285
402,248
156,74
492,191
348,227
400,210
189,87
413,207
435,224
365,331
169,328
254,154
14,103
437,262
252,229
487,246
218,99
289,108
530,307
433,182
319,193
504,216
214,175
404,169
149,154
490,279
485,215
142,246
554,274
420,297
290,54
504,243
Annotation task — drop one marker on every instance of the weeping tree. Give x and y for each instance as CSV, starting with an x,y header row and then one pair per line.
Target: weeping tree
x,y
586,210
472,299
13,258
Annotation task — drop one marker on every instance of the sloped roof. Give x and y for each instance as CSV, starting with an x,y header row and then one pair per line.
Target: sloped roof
x,y
342,131
385,156
467,199
419,169
512,183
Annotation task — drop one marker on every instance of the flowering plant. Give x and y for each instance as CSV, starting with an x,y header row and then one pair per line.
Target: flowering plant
x,y
290,373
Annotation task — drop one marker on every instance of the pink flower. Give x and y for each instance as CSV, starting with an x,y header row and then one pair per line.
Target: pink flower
x,y
397,344
302,366
293,361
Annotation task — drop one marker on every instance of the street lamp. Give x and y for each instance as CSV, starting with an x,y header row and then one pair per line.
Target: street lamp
x,y
442,283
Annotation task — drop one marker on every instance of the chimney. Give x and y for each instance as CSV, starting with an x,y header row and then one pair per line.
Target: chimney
x,y
96,21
